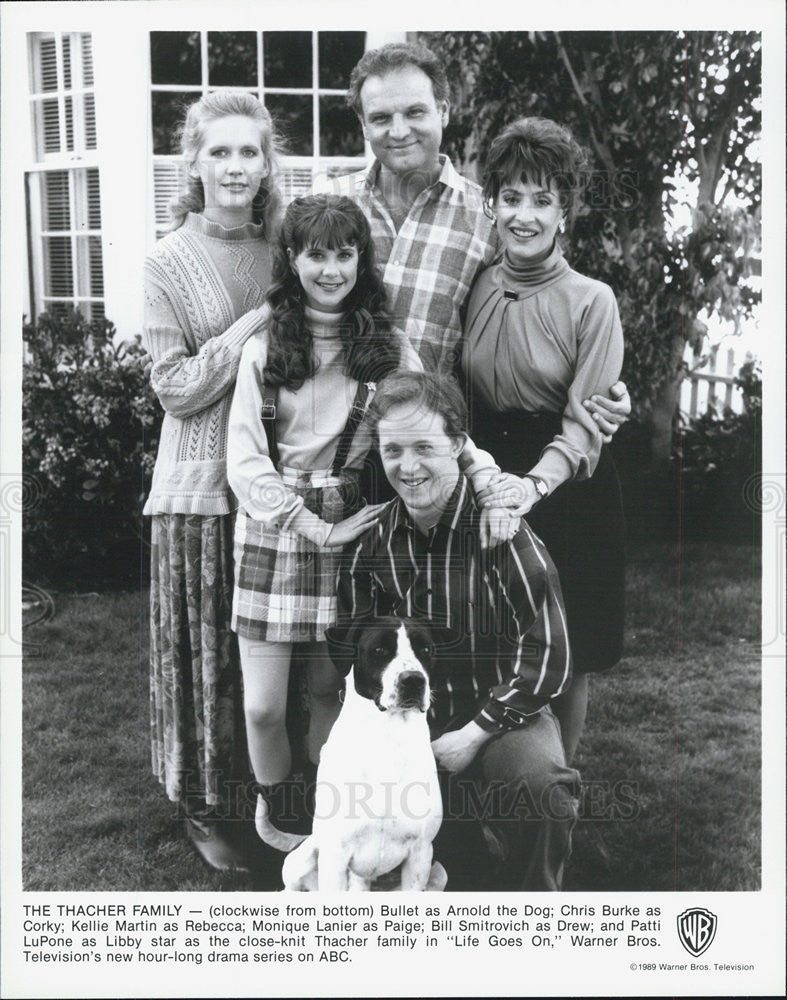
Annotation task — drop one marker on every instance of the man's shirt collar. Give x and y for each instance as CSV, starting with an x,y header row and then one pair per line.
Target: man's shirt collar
x,y
449,176
459,509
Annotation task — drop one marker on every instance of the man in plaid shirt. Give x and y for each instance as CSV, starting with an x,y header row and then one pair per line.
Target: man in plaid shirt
x,y
428,224
502,651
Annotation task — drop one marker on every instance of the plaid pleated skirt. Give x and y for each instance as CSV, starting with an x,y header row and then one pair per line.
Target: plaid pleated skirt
x,y
285,585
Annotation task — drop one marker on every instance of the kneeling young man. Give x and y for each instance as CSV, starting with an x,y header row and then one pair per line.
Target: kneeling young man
x,y
502,653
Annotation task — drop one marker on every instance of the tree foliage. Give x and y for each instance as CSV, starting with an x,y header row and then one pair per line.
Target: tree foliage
x,y
671,215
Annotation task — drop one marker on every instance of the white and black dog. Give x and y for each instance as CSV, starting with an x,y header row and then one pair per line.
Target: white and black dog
x,y
377,804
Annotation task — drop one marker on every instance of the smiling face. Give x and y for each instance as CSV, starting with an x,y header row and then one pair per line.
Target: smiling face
x,y
528,215
326,276
231,166
402,121
420,459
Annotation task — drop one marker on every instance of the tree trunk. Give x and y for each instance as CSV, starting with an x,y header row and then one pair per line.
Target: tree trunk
x,y
665,406
662,498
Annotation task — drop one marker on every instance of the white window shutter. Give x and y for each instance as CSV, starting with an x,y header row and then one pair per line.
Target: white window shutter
x,y
45,66
168,176
67,204
58,267
87,60
296,182
56,205
89,136
47,127
93,197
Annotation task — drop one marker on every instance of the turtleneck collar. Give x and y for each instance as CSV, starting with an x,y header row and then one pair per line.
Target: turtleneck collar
x,y
323,324
534,274
214,230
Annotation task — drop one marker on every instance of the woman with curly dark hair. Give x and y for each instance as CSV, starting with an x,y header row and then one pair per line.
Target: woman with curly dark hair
x,y
539,339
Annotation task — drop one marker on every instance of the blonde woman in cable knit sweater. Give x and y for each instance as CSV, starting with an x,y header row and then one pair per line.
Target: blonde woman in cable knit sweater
x,y
205,286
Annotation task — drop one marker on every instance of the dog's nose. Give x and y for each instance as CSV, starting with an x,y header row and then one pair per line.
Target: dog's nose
x,y
411,686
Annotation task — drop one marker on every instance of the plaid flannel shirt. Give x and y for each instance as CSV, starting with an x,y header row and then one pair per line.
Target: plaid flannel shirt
x,y
428,266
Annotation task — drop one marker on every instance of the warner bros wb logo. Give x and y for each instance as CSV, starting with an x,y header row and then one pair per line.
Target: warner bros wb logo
x,y
696,930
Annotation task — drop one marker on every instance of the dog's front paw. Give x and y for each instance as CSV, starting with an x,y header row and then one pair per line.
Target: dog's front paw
x,y
437,878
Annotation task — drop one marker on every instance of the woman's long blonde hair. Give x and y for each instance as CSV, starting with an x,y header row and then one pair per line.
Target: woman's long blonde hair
x,y
267,205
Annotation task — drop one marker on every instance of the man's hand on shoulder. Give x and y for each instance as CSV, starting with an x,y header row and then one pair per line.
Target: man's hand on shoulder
x,y
455,750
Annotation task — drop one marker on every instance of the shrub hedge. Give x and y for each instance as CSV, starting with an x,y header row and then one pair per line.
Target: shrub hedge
x,y
90,429
719,456
710,488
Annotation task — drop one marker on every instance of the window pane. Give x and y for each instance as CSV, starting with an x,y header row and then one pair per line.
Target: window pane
x,y
48,130
96,265
90,121
168,112
292,115
87,60
340,132
339,52
69,105
60,310
175,57
92,311
93,199
58,268
55,209
45,76
67,81
89,267
232,58
287,56
168,180
296,182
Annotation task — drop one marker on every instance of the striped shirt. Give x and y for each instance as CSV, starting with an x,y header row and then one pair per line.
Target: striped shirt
x,y
430,264
497,615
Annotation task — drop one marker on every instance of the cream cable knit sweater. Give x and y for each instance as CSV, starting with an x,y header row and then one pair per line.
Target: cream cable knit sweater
x,y
204,292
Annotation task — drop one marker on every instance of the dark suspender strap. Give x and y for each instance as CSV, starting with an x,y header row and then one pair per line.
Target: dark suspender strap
x,y
354,418
268,418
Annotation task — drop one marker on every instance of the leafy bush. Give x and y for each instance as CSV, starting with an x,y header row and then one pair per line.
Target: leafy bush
x,y
90,433
719,457
710,487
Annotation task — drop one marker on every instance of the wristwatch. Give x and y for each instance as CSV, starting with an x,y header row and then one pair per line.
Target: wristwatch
x,y
540,485
507,717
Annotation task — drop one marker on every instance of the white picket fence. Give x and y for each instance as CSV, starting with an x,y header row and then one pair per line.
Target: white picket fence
x,y
709,383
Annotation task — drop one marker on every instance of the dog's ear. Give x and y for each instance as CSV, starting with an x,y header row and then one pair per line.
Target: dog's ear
x,y
342,646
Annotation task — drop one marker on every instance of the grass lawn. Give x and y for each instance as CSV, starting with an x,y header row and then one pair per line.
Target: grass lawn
x,y
670,756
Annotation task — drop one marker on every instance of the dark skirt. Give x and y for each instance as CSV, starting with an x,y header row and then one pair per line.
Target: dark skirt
x,y
198,736
581,524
